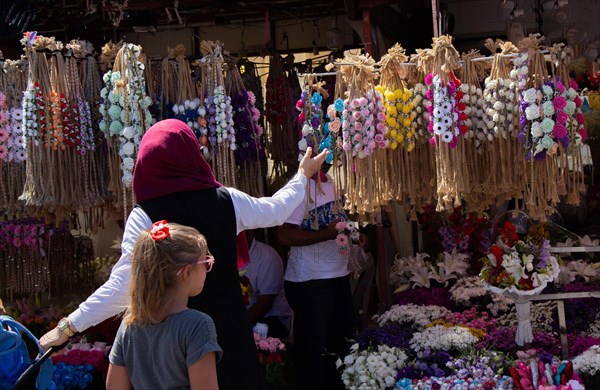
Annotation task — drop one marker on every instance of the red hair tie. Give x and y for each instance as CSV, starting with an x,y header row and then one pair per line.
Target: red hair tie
x,y
159,230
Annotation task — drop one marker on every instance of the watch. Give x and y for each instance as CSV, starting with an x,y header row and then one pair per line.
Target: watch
x,y
63,326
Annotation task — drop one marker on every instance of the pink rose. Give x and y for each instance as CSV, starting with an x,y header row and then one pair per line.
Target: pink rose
x,y
301,118
583,134
381,117
378,138
559,102
358,126
346,146
372,145
580,118
432,141
335,125
355,103
363,101
574,84
560,87
331,111
357,138
264,345
577,101
561,117
559,131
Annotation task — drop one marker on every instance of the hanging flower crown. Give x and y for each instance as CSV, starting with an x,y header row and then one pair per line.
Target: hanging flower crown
x,y
318,130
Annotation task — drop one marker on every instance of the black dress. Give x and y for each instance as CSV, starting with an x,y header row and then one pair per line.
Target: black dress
x,y
211,212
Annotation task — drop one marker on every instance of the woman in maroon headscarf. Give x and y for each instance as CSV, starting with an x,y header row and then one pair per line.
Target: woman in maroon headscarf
x,y
173,182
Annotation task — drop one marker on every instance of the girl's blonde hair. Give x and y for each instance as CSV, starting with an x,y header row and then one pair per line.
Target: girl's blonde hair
x,y
154,270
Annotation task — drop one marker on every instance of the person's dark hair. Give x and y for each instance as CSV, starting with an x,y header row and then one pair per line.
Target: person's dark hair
x,y
371,232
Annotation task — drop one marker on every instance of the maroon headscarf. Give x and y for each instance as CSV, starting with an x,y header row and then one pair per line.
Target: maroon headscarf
x,y
169,161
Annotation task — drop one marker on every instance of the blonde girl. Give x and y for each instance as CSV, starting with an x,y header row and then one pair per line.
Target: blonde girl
x,y
162,344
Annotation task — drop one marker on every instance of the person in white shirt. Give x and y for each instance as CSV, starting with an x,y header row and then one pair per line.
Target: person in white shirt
x,y
172,181
317,287
267,299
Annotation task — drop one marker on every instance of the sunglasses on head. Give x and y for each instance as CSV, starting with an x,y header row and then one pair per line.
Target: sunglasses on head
x,y
208,262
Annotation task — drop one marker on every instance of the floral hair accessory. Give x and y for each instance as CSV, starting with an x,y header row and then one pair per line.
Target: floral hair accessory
x,y
159,230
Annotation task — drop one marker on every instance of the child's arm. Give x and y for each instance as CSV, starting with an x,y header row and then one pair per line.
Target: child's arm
x,y
203,373
117,378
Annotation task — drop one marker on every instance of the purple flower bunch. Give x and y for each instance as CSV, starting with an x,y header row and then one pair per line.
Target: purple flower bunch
x,y
211,111
248,131
436,296
477,365
22,233
502,339
427,364
392,335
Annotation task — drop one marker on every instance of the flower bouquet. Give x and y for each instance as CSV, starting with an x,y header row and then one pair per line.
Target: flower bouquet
x,y
519,270
346,229
82,365
587,365
372,368
270,353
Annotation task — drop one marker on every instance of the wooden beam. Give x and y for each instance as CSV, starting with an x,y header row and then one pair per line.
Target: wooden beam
x,y
434,16
367,33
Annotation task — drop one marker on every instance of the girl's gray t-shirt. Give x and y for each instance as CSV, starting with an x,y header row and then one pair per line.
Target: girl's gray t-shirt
x,y
158,356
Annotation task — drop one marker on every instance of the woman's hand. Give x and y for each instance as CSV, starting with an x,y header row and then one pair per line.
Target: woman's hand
x,y
309,166
53,338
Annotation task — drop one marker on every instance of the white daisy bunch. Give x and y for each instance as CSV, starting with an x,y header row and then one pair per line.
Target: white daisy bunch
x,y
30,114
442,338
16,138
224,117
420,103
588,363
372,369
444,117
413,315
